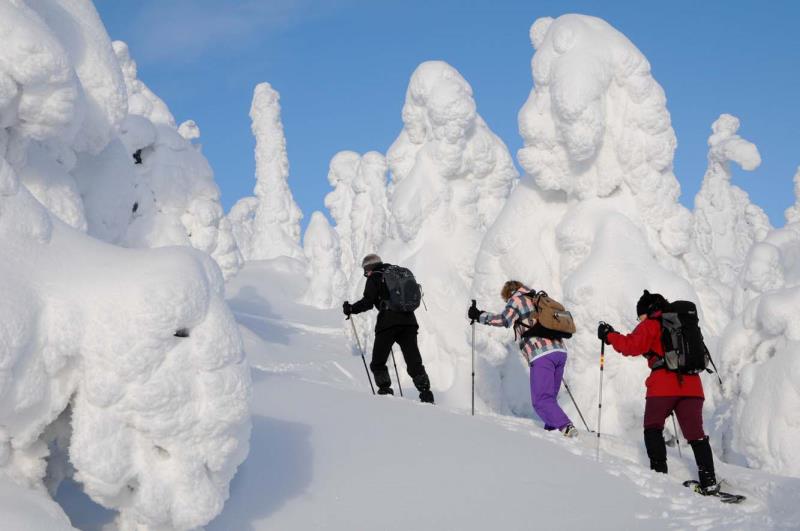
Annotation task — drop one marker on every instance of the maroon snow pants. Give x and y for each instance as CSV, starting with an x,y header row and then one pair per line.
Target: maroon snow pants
x,y
688,409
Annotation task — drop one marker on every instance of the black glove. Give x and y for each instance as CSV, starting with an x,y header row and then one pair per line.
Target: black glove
x,y
602,332
474,313
347,308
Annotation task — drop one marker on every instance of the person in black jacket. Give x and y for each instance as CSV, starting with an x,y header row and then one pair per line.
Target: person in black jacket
x,y
392,327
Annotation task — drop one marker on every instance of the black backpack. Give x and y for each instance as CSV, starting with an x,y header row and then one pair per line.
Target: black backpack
x,y
685,352
404,294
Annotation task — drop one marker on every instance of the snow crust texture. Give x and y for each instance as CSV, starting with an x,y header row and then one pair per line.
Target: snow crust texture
x,y
268,225
120,367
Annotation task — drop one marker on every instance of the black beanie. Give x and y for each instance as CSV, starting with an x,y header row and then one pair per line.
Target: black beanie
x,y
649,303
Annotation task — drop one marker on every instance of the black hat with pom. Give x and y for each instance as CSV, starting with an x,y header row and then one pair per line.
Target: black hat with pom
x,y
649,303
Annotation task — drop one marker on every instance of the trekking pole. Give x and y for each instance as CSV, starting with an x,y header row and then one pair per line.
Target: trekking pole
x,y
716,371
472,324
395,372
677,438
576,406
600,395
358,342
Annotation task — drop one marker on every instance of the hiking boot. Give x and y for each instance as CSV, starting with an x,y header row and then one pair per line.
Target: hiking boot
x,y
711,490
569,431
704,458
385,391
426,396
658,466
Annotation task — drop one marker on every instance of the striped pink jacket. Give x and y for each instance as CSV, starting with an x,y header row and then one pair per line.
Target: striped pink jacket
x,y
517,308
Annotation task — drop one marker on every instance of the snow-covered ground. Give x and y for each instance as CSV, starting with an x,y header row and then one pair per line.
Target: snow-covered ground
x,y
326,454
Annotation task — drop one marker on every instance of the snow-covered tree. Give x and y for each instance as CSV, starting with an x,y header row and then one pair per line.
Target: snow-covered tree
x,y
760,367
726,223
326,281
130,355
595,220
450,175
793,212
268,226
177,201
358,199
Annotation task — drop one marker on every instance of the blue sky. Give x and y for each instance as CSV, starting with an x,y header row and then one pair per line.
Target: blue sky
x,y
342,67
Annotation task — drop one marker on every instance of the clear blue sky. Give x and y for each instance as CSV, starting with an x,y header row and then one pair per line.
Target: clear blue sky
x,y
342,67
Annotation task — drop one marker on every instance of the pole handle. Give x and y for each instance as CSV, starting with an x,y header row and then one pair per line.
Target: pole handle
x,y
474,305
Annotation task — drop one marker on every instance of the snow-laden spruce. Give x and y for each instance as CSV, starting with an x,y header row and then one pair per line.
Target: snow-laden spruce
x,y
762,369
594,221
326,282
127,359
268,225
793,212
450,175
177,201
726,223
359,206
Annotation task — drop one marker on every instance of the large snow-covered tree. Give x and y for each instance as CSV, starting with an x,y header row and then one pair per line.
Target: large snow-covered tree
x,y
129,357
450,175
596,218
726,223
268,225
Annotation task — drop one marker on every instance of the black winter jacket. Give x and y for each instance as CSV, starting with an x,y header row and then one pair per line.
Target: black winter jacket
x,y
375,292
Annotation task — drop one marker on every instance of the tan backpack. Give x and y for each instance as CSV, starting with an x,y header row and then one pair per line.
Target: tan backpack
x,y
549,319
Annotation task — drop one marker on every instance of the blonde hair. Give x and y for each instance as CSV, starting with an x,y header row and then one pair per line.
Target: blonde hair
x,y
509,288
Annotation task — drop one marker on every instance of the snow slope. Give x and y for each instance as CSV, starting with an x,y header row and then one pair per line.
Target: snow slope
x,y
30,509
326,454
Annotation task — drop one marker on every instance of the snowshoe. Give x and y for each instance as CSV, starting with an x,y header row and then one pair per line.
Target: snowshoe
x,y
714,490
570,431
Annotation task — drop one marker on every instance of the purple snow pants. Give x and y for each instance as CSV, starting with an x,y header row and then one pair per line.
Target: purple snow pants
x,y
546,375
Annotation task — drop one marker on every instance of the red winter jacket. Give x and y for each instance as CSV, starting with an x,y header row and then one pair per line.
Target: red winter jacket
x,y
646,337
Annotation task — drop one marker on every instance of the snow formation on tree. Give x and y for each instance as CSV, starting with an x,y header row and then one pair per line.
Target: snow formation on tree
x,y
268,225
594,221
177,201
130,355
762,369
358,199
726,223
793,212
326,281
450,176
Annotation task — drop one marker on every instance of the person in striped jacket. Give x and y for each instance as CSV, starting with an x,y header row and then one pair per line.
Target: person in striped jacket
x,y
545,357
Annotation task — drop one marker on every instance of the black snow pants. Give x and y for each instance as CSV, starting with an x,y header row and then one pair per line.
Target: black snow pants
x,y
406,338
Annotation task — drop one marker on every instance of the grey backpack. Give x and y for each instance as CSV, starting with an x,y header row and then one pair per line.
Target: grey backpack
x,y
404,294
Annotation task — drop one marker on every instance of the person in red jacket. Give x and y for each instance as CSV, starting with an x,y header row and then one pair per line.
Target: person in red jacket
x,y
667,391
